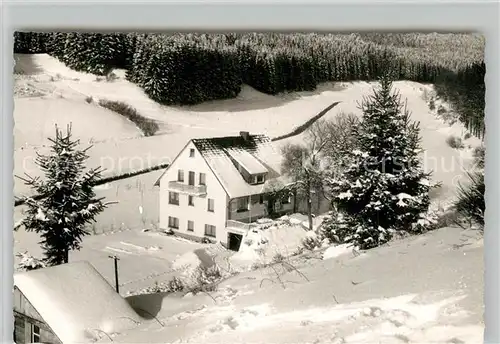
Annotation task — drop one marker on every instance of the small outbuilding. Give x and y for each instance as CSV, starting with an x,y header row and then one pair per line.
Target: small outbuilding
x,y
68,303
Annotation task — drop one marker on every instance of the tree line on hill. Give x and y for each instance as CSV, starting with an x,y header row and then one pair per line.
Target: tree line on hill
x,y
184,69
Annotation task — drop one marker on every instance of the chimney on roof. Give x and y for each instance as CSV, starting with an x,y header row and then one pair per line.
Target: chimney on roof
x,y
245,135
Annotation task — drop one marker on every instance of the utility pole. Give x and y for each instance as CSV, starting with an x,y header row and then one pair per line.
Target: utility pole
x,y
116,259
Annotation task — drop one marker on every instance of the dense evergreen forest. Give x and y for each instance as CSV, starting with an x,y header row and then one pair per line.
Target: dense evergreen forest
x,y
185,69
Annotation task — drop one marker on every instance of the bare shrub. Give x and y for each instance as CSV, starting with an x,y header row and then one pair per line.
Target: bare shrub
x,y
110,77
278,257
310,243
205,240
479,155
248,242
298,251
176,284
148,126
441,110
256,266
286,267
448,219
455,142
172,286
432,105
339,134
204,279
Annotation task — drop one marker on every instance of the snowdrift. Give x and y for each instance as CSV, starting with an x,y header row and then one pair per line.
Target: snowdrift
x,y
271,240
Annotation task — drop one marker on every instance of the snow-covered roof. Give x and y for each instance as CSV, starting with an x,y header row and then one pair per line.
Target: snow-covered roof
x,y
255,153
247,161
76,302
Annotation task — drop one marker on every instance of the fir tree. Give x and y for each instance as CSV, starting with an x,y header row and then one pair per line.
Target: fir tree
x,y
56,43
29,263
69,202
385,189
470,202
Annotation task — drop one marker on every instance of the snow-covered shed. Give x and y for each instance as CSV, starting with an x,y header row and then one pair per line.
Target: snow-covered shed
x,y
68,303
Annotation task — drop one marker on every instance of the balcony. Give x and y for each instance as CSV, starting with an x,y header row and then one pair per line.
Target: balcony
x,y
194,190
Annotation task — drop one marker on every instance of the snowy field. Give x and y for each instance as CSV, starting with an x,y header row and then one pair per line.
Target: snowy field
x,y
149,257
423,289
145,257
426,289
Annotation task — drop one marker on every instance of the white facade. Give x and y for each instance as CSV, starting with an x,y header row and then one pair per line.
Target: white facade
x,y
198,213
206,195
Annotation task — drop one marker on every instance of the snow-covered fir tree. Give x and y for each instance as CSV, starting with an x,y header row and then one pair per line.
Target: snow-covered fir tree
x,y
385,189
470,202
28,262
68,202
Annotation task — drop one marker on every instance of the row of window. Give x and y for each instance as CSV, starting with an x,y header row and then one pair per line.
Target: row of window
x,y
191,177
241,203
173,222
173,198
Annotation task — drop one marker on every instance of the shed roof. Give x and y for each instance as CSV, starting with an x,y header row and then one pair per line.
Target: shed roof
x,y
76,302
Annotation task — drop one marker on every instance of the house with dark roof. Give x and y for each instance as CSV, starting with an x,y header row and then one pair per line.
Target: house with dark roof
x,y
68,303
216,187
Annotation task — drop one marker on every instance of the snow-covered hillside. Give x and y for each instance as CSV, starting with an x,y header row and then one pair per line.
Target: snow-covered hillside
x,y
422,289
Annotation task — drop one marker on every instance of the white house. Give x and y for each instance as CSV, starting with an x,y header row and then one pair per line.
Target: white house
x,y
216,186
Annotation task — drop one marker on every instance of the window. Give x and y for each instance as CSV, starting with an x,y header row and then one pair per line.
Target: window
x,y
259,179
180,176
286,200
242,204
173,222
190,226
173,198
211,205
191,153
35,334
191,178
191,200
202,178
210,230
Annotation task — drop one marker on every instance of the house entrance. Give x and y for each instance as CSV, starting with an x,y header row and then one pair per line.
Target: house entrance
x,y
234,241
